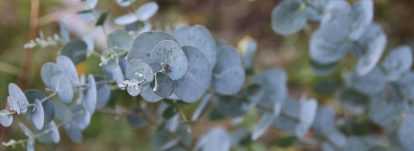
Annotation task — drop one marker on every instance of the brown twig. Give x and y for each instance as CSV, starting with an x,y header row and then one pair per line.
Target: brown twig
x,y
34,25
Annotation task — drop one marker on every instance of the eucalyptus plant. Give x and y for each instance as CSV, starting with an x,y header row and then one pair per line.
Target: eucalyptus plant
x,y
186,65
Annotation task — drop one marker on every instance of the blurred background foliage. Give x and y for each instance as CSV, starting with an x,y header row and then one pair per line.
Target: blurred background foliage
x,y
230,20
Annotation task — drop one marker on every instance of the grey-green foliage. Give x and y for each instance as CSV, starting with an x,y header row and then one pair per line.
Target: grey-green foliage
x,y
179,67
198,77
199,37
289,17
228,74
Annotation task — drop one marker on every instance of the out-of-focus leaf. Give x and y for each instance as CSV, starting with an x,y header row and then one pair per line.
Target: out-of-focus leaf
x,y
273,83
17,100
373,41
90,98
90,4
6,120
363,14
124,3
75,134
216,139
114,71
51,134
120,39
76,50
38,115
104,94
102,18
370,84
69,68
146,11
289,17
406,133
228,73
398,61
264,123
248,48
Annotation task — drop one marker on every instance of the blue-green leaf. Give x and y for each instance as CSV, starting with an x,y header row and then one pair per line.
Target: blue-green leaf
x,y
228,74
197,79
199,37
289,17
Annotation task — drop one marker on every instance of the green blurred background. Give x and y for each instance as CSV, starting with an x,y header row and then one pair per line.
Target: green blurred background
x,y
230,20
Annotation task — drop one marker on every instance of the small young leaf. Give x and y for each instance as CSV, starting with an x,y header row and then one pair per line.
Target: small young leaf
x,y
248,47
38,115
124,3
17,100
6,120
146,11
104,94
90,98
